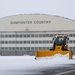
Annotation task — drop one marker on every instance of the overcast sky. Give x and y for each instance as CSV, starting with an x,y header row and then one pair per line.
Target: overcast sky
x,y
64,8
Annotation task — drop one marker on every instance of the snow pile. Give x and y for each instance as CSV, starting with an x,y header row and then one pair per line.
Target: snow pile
x,y
56,56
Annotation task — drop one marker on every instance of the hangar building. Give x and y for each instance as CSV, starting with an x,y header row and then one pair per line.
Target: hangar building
x,y
24,34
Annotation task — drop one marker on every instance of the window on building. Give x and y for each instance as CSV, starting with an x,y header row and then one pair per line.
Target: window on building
x,y
40,48
28,48
51,41
54,35
51,35
36,35
47,35
6,42
73,35
70,48
2,42
44,48
24,35
44,35
24,48
16,35
32,48
32,35
9,35
17,42
28,42
6,36
24,42
27,35
13,35
70,41
36,42
2,36
70,35
73,41
9,48
36,48
20,35
47,48
47,41
2,48
17,48
44,42
40,35
14,48
32,42
40,42
20,48
13,42
73,48
6,48
10,42
20,42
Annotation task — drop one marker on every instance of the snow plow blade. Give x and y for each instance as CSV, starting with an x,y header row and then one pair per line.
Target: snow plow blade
x,y
48,53
60,46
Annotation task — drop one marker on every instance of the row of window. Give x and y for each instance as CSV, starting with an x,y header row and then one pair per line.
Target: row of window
x,y
71,41
25,42
72,48
24,48
29,48
33,35
26,35
31,42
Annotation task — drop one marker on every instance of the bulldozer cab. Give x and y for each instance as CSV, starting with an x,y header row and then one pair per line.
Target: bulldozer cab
x,y
60,41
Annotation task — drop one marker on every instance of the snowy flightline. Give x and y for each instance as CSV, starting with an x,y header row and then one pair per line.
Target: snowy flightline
x,y
28,63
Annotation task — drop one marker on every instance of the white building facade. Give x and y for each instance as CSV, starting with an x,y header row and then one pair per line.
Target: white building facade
x,y
24,34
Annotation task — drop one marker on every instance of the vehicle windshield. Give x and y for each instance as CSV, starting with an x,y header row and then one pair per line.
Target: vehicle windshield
x,y
60,40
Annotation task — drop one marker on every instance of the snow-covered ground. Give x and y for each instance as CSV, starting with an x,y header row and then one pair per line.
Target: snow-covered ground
x,y
27,64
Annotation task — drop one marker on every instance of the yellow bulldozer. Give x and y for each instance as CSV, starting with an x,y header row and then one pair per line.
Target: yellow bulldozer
x,y
60,46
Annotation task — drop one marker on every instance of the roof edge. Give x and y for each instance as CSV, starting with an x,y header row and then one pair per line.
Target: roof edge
x,y
39,14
